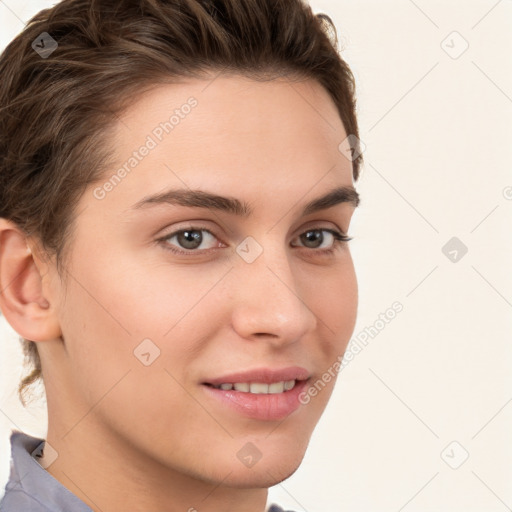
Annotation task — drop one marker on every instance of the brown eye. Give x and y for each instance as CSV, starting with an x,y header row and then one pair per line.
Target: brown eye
x,y
189,239
311,239
314,238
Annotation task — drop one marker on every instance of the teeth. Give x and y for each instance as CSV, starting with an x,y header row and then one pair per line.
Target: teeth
x,y
276,387
289,384
259,388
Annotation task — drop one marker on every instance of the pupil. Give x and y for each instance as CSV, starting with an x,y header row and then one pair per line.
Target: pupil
x,y
313,236
192,239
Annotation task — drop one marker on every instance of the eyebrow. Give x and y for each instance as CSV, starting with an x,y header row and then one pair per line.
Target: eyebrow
x,y
203,199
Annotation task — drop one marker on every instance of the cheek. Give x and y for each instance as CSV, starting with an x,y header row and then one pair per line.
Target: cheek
x,y
336,309
145,296
109,310
335,300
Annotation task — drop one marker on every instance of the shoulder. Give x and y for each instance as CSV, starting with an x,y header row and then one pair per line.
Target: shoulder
x,y
16,499
15,496
30,487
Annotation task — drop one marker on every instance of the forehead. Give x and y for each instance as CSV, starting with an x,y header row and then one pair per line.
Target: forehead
x,y
274,116
229,134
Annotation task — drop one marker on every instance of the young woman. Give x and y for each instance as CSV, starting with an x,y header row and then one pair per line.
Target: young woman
x,y
176,189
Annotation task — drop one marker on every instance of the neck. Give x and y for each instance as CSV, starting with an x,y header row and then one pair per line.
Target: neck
x,y
109,474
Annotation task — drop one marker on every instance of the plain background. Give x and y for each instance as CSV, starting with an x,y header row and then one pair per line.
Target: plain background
x,y
433,386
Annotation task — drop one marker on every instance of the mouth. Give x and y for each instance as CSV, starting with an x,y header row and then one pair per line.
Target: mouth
x,y
262,394
257,388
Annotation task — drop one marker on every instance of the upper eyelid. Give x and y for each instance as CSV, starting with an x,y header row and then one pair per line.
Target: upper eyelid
x,y
192,227
200,224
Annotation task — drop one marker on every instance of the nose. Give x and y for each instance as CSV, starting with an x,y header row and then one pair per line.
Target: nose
x,y
268,303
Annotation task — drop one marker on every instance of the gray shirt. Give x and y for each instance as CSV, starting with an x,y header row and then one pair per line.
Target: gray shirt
x,y
31,488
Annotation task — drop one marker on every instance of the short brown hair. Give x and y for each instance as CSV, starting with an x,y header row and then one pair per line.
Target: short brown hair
x,y
55,110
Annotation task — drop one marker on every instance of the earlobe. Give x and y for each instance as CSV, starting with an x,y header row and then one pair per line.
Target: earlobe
x,y
23,297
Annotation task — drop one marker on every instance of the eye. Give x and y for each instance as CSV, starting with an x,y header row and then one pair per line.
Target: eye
x,y
314,238
191,239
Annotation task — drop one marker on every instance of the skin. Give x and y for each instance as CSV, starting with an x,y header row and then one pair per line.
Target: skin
x,y
135,437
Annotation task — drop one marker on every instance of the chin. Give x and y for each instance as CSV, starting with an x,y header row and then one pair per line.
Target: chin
x,y
258,479
265,473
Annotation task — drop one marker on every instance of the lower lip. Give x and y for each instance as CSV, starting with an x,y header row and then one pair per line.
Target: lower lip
x,y
267,407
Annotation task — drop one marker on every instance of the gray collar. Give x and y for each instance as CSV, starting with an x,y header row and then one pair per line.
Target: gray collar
x,y
30,487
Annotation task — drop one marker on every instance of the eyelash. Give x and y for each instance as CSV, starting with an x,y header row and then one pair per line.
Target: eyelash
x,y
339,239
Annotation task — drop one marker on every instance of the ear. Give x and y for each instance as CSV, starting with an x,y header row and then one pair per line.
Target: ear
x,y
22,287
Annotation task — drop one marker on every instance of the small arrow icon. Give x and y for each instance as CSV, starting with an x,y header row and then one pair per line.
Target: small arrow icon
x,y
45,453
454,44
249,455
44,45
454,249
455,455
351,147
146,352
454,253
248,249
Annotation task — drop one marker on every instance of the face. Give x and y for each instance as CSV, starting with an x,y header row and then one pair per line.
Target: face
x,y
184,322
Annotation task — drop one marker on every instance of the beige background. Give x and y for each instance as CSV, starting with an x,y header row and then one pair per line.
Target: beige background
x,y
434,385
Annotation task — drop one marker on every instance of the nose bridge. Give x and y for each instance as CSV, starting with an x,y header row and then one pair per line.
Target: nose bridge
x,y
268,301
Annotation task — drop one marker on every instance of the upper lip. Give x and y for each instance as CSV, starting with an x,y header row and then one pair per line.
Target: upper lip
x,y
264,375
